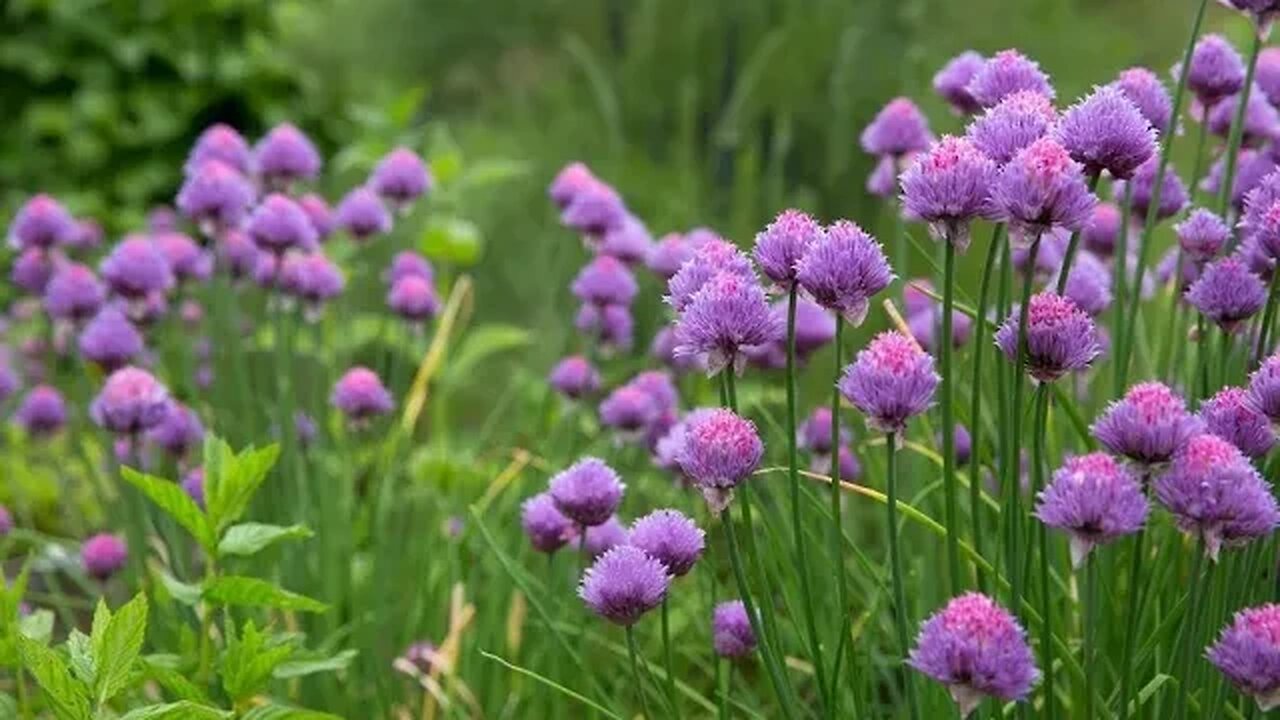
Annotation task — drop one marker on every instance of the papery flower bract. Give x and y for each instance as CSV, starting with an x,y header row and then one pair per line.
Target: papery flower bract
x,y
1216,70
721,449
1095,500
731,632
220,142
779,247
587,492
1232,416
73,293
362,214
670,538
413,298
1148,94
729,313
42,222
131,401
285,154
1105,131
899,128
605,281
1148,425
1016,122
278,224
574,377
1202,235
179,431
890,381
360,395
1248,654
215,196
948,187
109,340
1173,193
1216,495
1264,388
1227,292
952,82
843,269
547,528
624,584
1008,72
102,555
1060,337
136,268
42,412
1042,188
1261,119
400,177
709,259
977,649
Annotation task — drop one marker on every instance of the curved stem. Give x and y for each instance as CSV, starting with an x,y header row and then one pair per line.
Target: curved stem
x,y
895,565
948,421
975,410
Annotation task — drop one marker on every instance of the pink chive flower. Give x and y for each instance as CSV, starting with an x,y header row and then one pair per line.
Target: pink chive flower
x,y
32,270
313,279
568,182
400,178
360,395
179,432
600,539
728,314
782,243
629,241
890,381
136,268
42,222
629,410
948,187
1144,90
1017,121
109,340
624,584
1008,72
215,196
667,255
670,538
319,213
222,143
1202,235
976,649
1216,495
1147,426
187,260
595,209
413,298
721,449
1248,654
278,224
1267,74
407,263
103,555
1233,417
1060,337
731,632
362,214
843,269
587,492
574,377
611,326
1095,500
1262,214
898,129
952,82
1105,131
1041,189
1228,292
285,155
131,401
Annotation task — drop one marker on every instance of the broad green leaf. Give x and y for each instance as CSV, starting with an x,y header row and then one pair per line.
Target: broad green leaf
x,y
163,669
8,707
285,712
37,626
238,480
185,593
183,710
176,502
80,652
249,661
65,696
119,647
101,619
233,590
250,538
11,597
452,239
298,668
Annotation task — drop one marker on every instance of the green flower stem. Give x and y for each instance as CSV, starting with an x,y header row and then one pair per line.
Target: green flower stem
x,y
1190,624
1046,604
1089,647
635,670
666,652
1073,245
948,420
1121,275
895,565
1012,462
1268,317
1237,129
837,530
975,411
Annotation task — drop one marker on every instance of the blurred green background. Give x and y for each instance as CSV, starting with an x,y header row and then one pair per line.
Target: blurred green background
x,y
710,112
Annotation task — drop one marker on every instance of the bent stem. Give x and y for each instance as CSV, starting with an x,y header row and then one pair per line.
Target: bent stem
x,y
635,670
948,422
895,565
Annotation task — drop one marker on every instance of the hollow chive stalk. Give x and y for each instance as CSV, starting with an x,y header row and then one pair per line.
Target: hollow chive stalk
x,y
975,410
895,567
948,412
1014,510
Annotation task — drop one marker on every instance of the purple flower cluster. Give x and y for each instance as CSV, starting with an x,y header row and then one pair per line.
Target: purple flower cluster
x,y
1248,654
1060,337
843,269
720,450
1147,426
1095,500
1232,416
891,381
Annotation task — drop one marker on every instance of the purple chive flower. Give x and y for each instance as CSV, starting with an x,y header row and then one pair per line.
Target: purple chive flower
x,y
179,431
782,243
278,225
6,521
43,412
624,584
815,432
1262,214
629,410
88,236
215,196
600,539
319,213
414,299
1261,119
1248,654
193,485
1019,120
629,241
728,314
237,253
312,278
710,259
408,263
815,326
401,177
1267,75
883,180
284,155
658,386
731,633
73,293
1264,388
1251,169
1095,500
136,268
595,209
948,187
1060,337
103,555
1202,235
668,254
32,270
1148,425
963,444
362,214
1216,70
8,381
850,468
162,219
899,128
547,528
587,492
110,341
1105,131
1008,72
419,659
131,401
721,449
605,281
925,325
360,395
1042,188
1227,292
611,325
1216,495
1262,12
843,269
1089,284
1173,195
952,82
222,143
1259,261
663,349
186,259
977,649
670,538
1148,94
42,223
569,182
1168,265
574,377
890,381
1232,416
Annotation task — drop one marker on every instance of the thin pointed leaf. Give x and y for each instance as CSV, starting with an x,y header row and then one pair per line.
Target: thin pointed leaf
x,y
175,501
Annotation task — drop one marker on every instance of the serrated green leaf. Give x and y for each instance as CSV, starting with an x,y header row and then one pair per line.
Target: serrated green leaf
x,y
249,661
119,648
298,668
185,593
80,653
64,695
11,598
233,590
163,669
284,712
175,502
235,482
250,538
37,626
101,619
182,710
